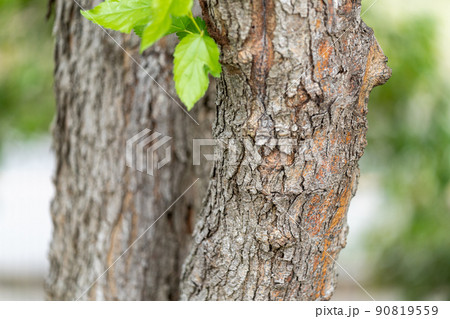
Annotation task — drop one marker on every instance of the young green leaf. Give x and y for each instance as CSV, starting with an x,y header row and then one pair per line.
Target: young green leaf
x,y
162,19
120,15
183,26
180,7
155,30
195,56
139,29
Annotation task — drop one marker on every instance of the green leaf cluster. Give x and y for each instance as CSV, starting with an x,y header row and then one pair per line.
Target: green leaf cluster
x,y
197,54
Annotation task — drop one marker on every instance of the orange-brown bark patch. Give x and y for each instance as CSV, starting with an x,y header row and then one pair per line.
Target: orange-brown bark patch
x,y
324,51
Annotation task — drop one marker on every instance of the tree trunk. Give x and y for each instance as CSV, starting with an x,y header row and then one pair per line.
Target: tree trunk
x,y
274,221
102,206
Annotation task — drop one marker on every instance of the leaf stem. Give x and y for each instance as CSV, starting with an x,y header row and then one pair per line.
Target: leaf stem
x,y
195,22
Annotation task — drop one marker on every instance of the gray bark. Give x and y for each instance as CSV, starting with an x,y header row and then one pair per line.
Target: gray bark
x,y
101,206
301,70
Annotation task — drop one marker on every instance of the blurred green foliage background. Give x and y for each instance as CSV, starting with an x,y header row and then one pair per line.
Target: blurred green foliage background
x,y
409,149
409,135
26,69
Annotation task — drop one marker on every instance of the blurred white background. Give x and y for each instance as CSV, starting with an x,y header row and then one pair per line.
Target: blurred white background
x,y
25,226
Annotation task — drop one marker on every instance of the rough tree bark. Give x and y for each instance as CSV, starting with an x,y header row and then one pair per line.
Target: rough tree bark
x,y
101,206
301,70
